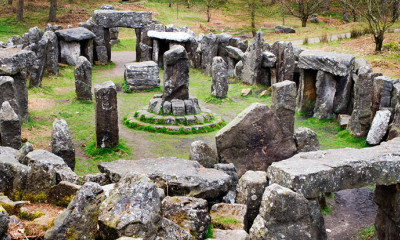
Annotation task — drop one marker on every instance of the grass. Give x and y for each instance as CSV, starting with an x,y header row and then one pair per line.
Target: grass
x,y
125,44
366,234
210,233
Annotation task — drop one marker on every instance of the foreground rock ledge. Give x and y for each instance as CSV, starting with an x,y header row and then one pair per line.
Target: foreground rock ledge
x,y
332,170
175,176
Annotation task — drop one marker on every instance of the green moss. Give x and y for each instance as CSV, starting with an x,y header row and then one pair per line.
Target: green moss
x,y
126,88
64,202
71,234
210,233
366,233
223,222
37,198
30,216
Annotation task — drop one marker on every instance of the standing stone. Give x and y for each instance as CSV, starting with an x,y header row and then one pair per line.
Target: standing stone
x,y
306,140
285,62
238,69
142,75
379,127
83,79
284,103
250,189
283,212
204,154
223,42
381,95
341,101
70,52
326,88
395,127
36,70
361,116
10,127
51,52
252,59
254,140
306,95
209,49
8,92
61,142
219,84
106,115
229,169
176,74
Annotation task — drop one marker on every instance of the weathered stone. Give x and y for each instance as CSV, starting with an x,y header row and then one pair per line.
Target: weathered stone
x,y
204,154
395,127
234,53
245,92
381,93
361,66
133,208
230,234
284,103
249,192
20,155
158,106
83,79
229,169
189,107
282,213
99,178
325,90
178,107
75,34
239,141
314,18
223,42
285,60
34,35
170,36
306,140
167,108
13,41
176,74
219,84
51,52
221,211
361,116
172,231
189,213
80,218
341,101
243,45
269,60
284,29
106,115
180,177
36,69
61,142
395,95
343,120
209,49
335,63
8,92
12,173
4,222
314,173
238,70
107,7
251,73
10,127
62,192
142,75
379,127
129,19
70,52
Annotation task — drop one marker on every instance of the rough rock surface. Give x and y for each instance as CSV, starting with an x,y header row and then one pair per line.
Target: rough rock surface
x,y
20,155
234,53
335,63
8,92
283,214
75,34
284,29
133,209
142,75
314,173
189,213
70,52
80,218
285,60
129,19
220,211
61,142
230,234
172,231
209,49
12,173
63,191
176,74
51,52
100,178
239,141
381,93
284,103
379,127
10,127
170,36
231,171
306,140
180,177
325,90
250,189
203,153
83,79
251,73
342,101
107,132
219,83
4,221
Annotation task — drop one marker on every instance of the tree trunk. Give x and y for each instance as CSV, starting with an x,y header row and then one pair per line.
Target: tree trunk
x,y
53,11
20,10
10,2
353,12
208,13
188,3
326,6
304,21
395,11
379,37
170,3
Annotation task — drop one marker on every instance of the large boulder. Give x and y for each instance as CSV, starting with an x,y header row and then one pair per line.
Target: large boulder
x,y
254,140
284,29
79,220
83,79
51,52
381,93
203,153
189,213
284,103
61,142
132,208
75,34
252,59
282,213
176,176
229,169
10,127
176,74
219,84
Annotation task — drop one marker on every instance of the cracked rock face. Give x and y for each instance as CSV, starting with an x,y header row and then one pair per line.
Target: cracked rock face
x,y
61,142
219,84
10,127
129,19
379,127
83,79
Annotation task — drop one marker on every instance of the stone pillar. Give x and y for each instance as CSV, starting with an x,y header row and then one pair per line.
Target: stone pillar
x,y
176,74
387,221
138,32
21,94
83,79
325,90
8,92
318,230
156,49
10,127
87,47
70,52
285,62
209,49
307,95
106,115
341,102
381,93
284,103
52,52
252,59
61,142
219,84
36,68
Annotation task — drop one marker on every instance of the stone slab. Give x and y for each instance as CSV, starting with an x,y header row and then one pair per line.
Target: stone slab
x,y
129,19
170,36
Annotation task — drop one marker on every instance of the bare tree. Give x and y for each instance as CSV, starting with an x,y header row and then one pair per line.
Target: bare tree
x,y
379,15
209,5
302,9
20,10
53,11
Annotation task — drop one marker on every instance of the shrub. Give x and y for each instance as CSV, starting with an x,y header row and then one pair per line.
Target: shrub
x,y
324,38
126,88
305,41
392,46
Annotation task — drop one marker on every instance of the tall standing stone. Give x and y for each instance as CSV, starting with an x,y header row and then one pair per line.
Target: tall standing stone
x,y
106,115
219,85
51,53
8,92
285,62
61,142
10,127
36,69
381,93
176,74
209,49
326,88
252,59
83,79
284,103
